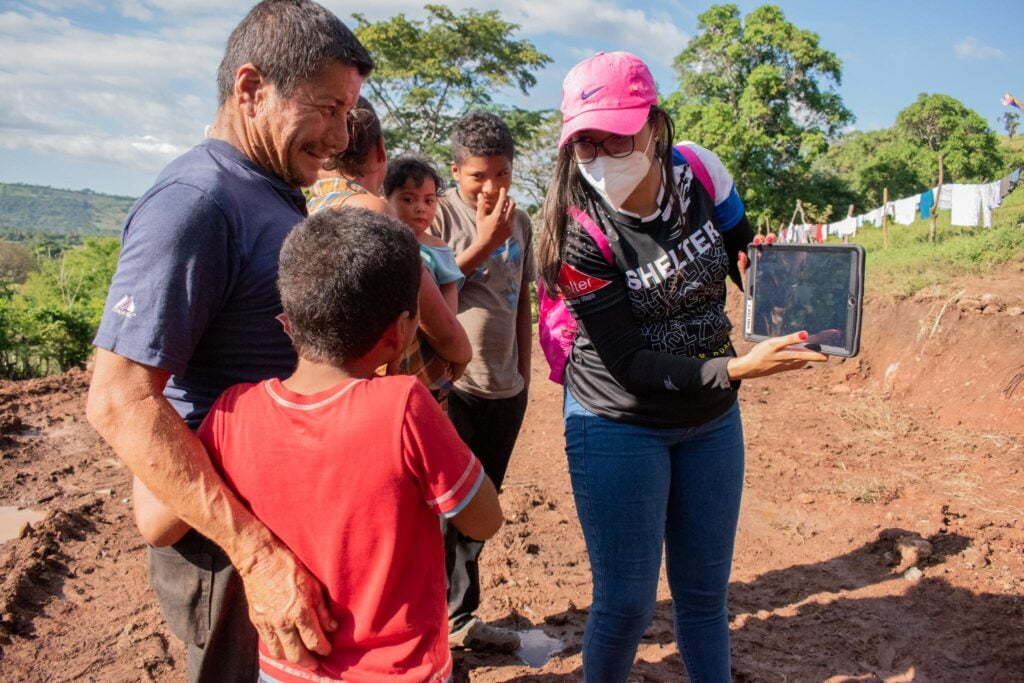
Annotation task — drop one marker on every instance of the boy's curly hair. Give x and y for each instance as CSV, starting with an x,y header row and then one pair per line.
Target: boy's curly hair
x,y
344,276
481,134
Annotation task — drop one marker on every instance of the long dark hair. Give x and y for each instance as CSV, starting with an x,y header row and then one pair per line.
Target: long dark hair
x,y
568,189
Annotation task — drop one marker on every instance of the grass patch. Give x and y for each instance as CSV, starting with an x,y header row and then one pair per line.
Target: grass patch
x,y
876,417
912,263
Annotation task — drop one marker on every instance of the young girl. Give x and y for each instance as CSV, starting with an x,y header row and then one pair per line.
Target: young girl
x,y
652,423
411,186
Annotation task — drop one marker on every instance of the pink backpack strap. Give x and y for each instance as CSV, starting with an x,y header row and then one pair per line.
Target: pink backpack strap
x,y
700,171
595,233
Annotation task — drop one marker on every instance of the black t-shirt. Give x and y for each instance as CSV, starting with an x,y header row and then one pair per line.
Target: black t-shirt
x,y
653,339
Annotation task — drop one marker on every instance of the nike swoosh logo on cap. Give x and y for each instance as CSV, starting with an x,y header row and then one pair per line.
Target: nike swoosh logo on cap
x,y
586,95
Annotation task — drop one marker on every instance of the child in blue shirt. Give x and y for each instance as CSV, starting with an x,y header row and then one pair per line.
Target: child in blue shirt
x,y
411,187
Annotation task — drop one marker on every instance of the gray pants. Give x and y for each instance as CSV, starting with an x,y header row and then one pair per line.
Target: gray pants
x,y
204,604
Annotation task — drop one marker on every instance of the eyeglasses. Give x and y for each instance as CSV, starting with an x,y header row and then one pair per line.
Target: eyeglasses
x,y
615,146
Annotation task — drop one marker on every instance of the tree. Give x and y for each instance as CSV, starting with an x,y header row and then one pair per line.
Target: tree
x,y
77,279
536,154
16,262
872,161
1010,122
429,73
759,92
943,125
48,322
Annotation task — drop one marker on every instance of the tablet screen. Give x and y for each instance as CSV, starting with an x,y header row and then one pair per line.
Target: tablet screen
x,y
807,287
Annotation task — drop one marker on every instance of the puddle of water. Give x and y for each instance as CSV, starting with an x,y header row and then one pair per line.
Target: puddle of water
x,y
13,520
536,647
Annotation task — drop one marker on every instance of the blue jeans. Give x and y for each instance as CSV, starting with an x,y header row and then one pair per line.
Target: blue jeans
x,y
638,488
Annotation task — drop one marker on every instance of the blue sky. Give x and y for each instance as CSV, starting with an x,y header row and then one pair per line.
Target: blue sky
x,y
103,93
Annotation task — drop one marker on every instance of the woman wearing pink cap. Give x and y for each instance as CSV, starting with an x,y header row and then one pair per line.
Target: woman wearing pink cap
x,y
652,423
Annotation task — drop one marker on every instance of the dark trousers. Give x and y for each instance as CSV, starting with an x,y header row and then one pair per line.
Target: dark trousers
x,y
489,427
204,604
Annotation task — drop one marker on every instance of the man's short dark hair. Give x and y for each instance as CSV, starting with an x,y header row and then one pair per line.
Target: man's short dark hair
x,y
481,134
402,169
289,41
364,132
345,275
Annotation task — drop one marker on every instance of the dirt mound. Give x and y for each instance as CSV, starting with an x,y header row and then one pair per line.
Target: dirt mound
x,y
36,565
958,356
881,535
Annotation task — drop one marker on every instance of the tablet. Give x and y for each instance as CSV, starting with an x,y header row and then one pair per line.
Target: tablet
x,y
814,287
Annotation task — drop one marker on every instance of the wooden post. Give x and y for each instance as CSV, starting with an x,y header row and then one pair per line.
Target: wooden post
x,y
935,206
885,218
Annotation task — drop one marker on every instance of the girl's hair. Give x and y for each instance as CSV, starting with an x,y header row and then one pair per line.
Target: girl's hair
x,y
567,189
364,132
402,169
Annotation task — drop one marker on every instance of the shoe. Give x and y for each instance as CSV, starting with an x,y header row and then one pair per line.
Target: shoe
x,y
479,635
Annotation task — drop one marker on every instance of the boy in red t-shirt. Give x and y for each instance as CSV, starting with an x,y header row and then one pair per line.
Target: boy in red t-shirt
x,y
348,469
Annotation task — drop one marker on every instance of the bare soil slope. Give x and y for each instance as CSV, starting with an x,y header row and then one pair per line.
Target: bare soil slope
x,y
881,536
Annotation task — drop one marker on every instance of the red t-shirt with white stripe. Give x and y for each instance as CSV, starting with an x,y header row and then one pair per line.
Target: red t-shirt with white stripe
x,y
353,479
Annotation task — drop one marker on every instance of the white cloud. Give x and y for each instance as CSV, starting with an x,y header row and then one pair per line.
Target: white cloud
x,y
970,48
144,153
652,35
128,98
133,81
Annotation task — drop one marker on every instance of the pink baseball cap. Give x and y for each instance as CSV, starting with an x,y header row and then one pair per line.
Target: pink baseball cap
x,y
611,91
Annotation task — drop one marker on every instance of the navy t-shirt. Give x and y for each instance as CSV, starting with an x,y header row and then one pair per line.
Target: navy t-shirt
x,y
195,291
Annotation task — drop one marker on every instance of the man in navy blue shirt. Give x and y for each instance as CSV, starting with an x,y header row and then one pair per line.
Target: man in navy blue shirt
x,y
193,308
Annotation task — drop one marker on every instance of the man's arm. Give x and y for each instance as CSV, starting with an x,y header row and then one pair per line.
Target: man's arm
x,y
126,406
524,330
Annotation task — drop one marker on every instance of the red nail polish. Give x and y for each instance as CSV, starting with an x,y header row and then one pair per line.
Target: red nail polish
x,y
803,335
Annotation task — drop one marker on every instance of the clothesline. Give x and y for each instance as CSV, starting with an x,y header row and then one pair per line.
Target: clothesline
x,y
969,204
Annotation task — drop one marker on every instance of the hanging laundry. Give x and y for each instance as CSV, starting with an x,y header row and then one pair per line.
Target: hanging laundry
x,y
845,227
990,199
903,210
945,200
965,204
874,216
819,233
927,200
1004,187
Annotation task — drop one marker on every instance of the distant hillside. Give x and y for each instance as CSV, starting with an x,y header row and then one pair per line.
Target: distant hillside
x,y
46,209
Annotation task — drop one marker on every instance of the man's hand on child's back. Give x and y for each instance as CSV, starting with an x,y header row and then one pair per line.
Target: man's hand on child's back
x,y
494,227
286,605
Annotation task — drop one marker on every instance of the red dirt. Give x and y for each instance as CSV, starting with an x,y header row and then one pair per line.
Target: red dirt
x,y
849,467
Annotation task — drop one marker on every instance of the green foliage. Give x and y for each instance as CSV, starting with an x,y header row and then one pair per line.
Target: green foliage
x,y
904,158
47,323
1013,154
869,162
32,208
942,125
760,92
431,72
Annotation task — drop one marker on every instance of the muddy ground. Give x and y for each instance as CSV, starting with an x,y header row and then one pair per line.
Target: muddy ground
x,y
881,535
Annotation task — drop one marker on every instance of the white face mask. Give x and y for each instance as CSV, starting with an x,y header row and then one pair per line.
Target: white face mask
x,y
615,179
